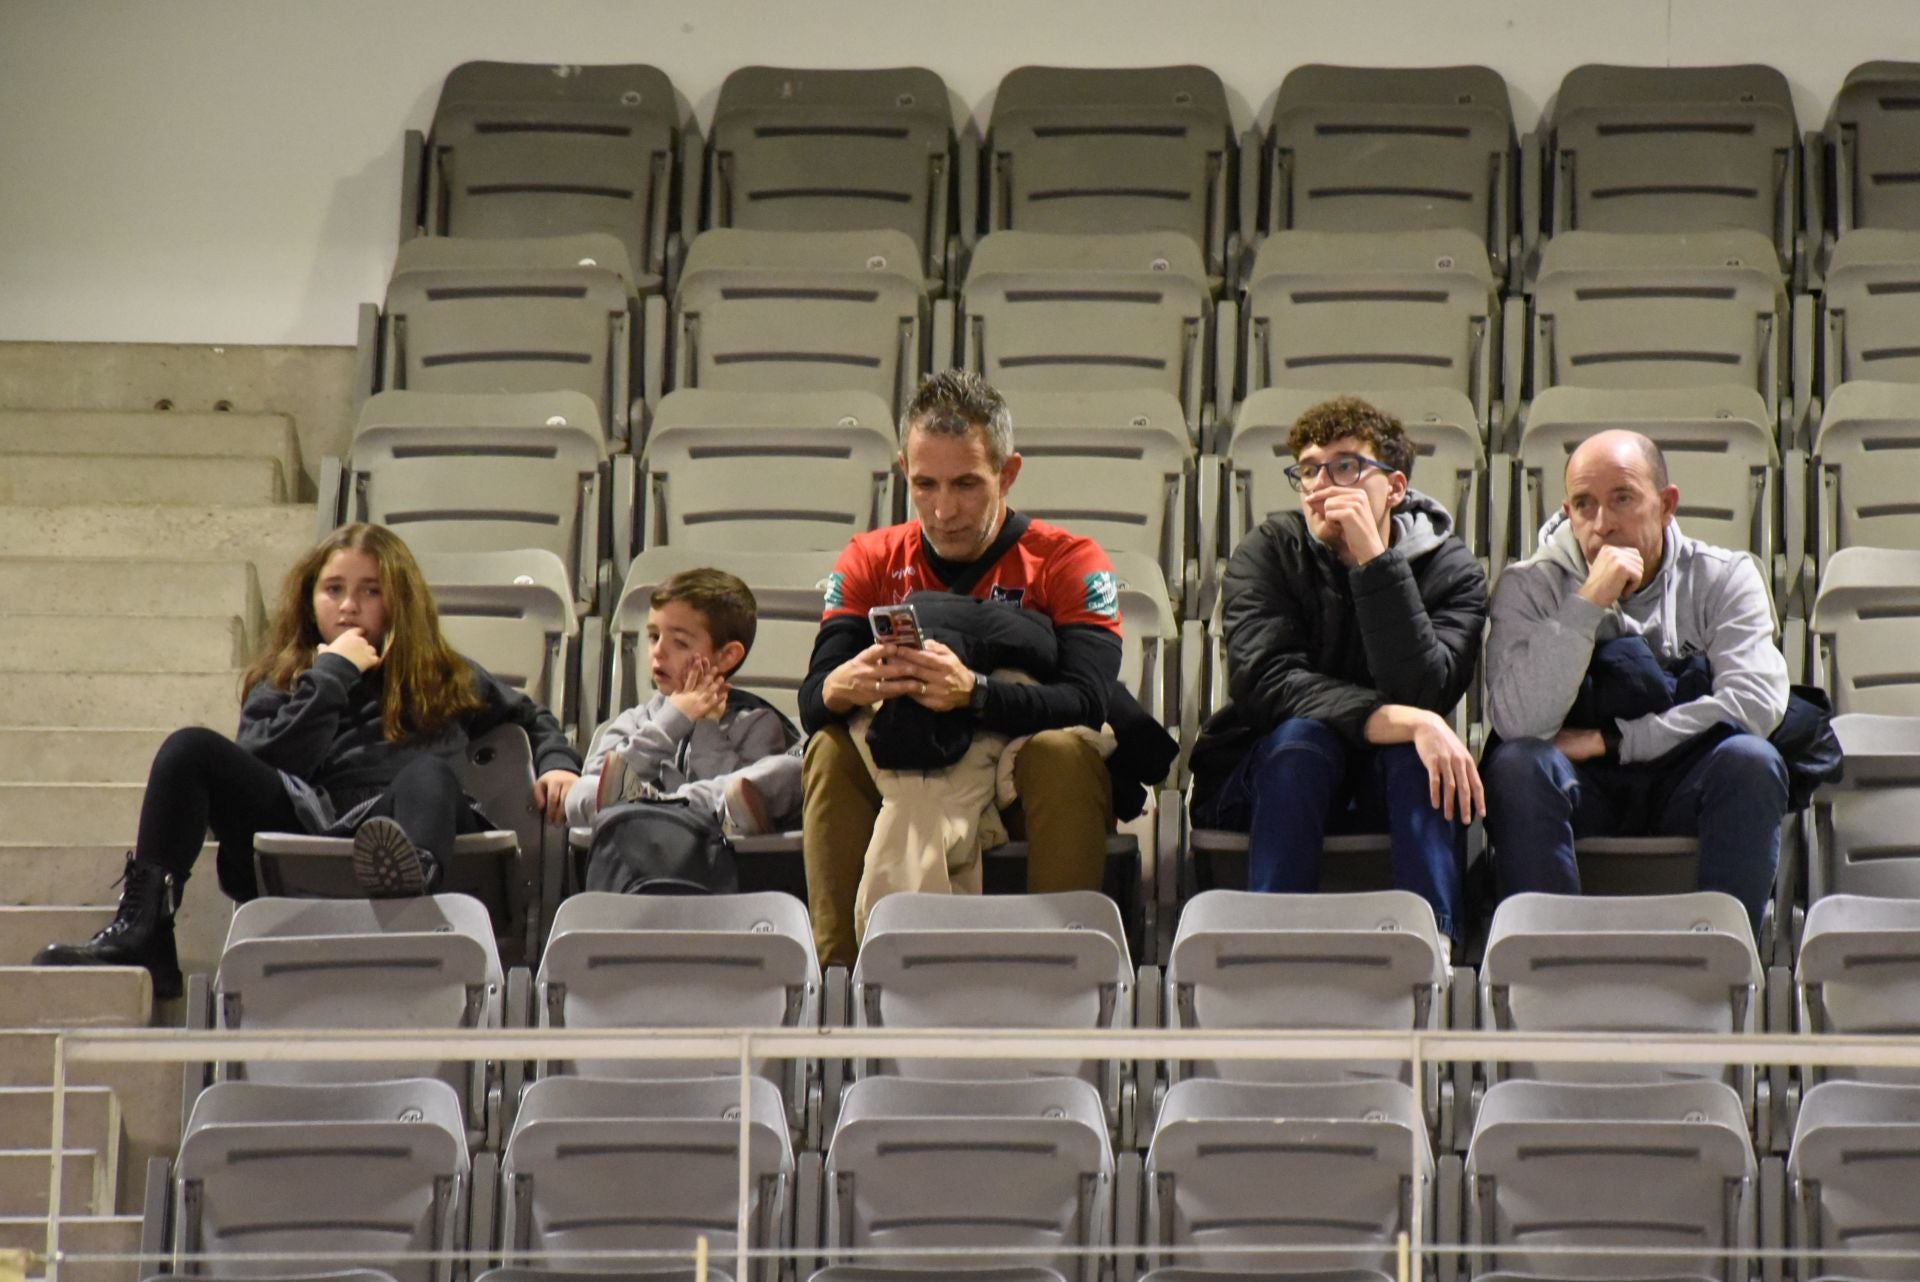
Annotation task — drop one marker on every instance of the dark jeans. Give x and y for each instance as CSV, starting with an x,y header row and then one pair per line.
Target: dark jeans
x,y
201,779
1303,781
1731,798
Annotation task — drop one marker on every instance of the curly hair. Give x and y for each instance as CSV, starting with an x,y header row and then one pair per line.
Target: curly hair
x,y
1349,416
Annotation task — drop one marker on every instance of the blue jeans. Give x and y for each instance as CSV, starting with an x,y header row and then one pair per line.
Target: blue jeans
x,y
1303,780
1731,799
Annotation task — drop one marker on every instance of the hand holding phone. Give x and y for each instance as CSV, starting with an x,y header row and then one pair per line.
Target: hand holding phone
x,y
895,625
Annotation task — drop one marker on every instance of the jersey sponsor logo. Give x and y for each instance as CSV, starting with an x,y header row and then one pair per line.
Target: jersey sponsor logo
x,y
1103,594
835,596
1010,596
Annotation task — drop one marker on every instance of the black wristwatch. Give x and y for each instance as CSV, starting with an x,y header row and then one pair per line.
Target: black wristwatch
x,y
1610,738
977,698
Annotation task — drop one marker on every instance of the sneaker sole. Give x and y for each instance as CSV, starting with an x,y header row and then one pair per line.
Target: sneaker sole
x,y
386,865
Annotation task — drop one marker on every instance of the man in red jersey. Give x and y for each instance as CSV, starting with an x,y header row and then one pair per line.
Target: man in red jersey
x,y
957,455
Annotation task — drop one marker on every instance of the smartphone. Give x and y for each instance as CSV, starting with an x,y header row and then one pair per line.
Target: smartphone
x,y
895,625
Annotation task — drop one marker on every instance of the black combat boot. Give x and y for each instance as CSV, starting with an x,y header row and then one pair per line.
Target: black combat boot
x,y
140,934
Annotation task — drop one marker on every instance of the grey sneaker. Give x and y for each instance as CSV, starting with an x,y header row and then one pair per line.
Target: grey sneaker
x,y
386,863
619,782
743,811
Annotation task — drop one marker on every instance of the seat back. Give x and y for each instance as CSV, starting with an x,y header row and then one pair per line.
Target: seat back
x,y
1864,837
1122,149
1859,974
1867,451
1850,1173
1873,281
511,612
1149,637
780,311
742,471
520,150
1873,133
1866,630
885,136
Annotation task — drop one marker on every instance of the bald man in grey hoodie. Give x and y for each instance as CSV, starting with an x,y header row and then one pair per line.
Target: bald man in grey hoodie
x,y
1612,563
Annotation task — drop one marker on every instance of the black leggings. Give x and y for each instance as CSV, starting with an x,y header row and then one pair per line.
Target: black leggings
x,y
201,779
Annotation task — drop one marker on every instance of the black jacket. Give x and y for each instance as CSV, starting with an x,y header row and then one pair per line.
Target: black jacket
x,y
1307,637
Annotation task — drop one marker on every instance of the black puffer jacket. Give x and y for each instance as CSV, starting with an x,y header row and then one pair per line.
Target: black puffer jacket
x,y
1307,637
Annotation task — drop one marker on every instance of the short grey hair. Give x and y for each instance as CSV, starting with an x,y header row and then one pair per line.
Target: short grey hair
x,y
955,402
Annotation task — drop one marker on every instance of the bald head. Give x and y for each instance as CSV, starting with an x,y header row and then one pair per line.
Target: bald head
x,y
1624,449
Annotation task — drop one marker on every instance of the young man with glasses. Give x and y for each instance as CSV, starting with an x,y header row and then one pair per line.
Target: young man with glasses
x,y
1352,629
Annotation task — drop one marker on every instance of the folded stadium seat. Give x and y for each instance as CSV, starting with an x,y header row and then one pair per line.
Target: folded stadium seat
x,y
805,311
1864,461
1559,1165
1642,964
609,1166
1388,149
662,961
534,315
1056,961
1850,1180
521,150
1091,313
642,1269
1865,841
1865,631
504,868
378,1170
1873,281
1669,149
475,472
1115,149
1021,1167
422,964
512,613
843,150
1859,975
1330,311
1868,147
1363,960
1662,311
1251,1164
745,471
907,1273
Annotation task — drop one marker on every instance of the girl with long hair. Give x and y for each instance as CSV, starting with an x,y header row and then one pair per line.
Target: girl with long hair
x,y
354,713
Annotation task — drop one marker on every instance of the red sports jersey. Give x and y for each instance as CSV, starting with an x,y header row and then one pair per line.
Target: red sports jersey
x,y
1064,576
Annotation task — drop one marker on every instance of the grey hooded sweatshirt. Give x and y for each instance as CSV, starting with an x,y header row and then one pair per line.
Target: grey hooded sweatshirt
x,y
671,751
1702,600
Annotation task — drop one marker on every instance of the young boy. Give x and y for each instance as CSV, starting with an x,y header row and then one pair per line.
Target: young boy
x,y
722,750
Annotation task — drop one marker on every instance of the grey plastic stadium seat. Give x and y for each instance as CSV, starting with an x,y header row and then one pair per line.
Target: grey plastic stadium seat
x,y
1330,311
540,315
1851,1174
1057,313
1391,149
1872,138
1243,1164
1865,630
783,311
1865,840
1859,975
523,150
507,869
1719,443
1450,461
1553,1164
1084,150
1864,459
320,1171
512,613
424,964
1633,964
1675,149
481,473
641,1271
743,471
1022,1166
605,1166
1870,310
907,1273
1645,311
658,961
836,150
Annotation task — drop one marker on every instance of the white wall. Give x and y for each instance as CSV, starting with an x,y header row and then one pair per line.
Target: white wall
x,y
228,170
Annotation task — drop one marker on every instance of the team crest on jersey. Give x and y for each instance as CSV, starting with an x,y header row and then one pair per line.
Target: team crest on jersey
x,y
1010,596
835,582
1103,594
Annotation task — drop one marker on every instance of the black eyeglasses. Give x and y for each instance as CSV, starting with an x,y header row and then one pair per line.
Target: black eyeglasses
x,y
1346,469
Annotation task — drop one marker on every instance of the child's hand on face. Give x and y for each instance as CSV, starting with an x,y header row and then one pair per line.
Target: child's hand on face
x,y
703,692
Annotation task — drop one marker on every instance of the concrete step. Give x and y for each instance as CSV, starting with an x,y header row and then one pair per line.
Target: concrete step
x,y
66,754
128,585
122,641
85,814
121,699
229,435
81,1237
85,1182
68,876
90,887
147,1095
24,931
270,536
26,1118
55,480
35,997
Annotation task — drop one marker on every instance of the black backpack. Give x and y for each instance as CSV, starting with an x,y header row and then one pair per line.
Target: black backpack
x,y
659,848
